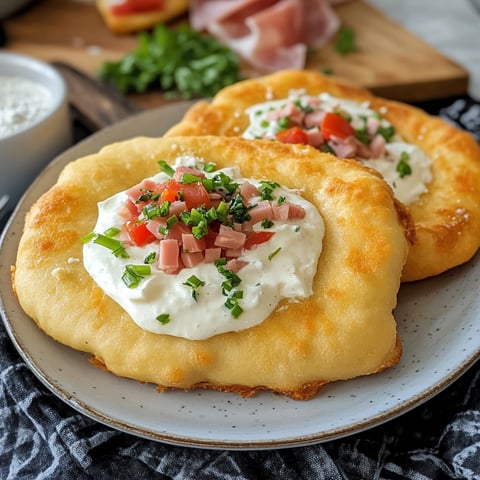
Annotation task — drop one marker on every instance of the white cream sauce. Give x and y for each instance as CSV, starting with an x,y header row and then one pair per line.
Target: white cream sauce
x,y
407,188
264,282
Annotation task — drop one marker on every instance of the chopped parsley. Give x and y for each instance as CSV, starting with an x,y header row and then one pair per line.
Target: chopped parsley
x,y
180,61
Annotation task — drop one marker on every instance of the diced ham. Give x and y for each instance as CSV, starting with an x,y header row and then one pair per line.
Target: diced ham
x,y
229,238
191,259
291,111
235,264
314,137
344,148
212,254
372,125
154,226
168,255
248,191
295,211
178,230
233,252
262,210
184,169
377,146
270,34
191,244
128,210
314,119
176,208
281,212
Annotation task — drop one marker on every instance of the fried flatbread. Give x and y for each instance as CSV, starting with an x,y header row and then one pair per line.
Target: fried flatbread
x,y
130,20
344,330
446,217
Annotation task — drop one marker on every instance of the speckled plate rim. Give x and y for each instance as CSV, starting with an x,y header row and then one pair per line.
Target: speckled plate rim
x,y
438,319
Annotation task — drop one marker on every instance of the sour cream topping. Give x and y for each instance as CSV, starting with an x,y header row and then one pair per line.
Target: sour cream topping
x,y
404,166
282,267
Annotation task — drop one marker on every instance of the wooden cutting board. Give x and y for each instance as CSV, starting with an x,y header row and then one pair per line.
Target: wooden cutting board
x,y
389,60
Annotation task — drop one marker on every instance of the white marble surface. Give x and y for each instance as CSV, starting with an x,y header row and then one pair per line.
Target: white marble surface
x,y
451,26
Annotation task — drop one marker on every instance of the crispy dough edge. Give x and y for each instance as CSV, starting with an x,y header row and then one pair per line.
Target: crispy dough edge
x,y
304,392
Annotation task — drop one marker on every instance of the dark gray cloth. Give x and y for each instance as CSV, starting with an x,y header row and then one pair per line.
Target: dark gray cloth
x,y
41,437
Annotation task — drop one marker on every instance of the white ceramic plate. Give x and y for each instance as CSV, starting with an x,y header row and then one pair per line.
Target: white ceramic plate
x,y
439,322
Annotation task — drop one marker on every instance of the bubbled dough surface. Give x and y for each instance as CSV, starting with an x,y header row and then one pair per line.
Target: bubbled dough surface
x,y
447,217
344,330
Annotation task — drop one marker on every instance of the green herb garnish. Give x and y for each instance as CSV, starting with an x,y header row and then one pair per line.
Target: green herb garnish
x,y
166,168
116,246
345,42
134,274
266,223
386,132
150,258
194,283
163,318
111,232
181,61
266,189
274,253
403,167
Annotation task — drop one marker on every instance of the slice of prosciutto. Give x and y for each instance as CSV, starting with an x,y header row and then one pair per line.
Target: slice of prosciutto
x,y
270,35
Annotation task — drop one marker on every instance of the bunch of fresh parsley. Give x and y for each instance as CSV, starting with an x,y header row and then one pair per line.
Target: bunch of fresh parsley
x,y
178,61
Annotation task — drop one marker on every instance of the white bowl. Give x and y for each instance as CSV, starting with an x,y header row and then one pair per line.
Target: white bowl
x,y
27,147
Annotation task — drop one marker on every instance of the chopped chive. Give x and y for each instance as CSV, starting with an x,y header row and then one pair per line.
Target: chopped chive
x,y
403,167
266,189
266,223
274,253
194,283
112,244
111,232
134,274
166,168
150,258
188,178
297,228
236,310
163,318
88,238
209,167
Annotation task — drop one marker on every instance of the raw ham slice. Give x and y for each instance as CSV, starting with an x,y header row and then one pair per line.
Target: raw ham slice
x,y
270,34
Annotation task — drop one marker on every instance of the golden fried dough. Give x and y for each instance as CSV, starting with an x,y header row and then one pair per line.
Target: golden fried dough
x,y
446,217
133,21
344,330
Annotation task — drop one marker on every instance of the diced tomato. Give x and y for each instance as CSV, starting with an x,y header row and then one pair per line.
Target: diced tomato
x,y
293,135
139,233
256,238
169,191
335,125
129,7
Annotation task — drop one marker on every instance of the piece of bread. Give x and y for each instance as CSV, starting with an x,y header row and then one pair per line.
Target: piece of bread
x,y
345,329
446,217
136,20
